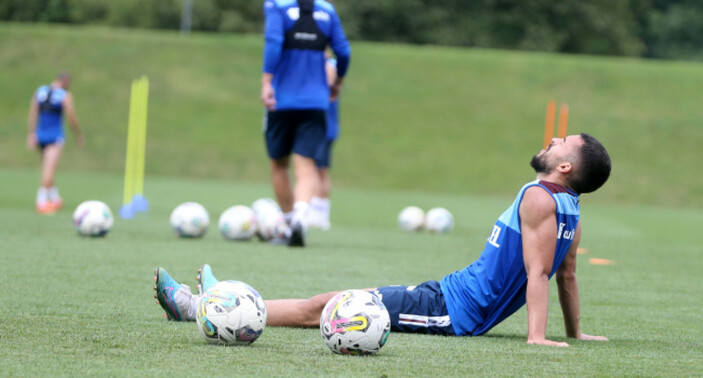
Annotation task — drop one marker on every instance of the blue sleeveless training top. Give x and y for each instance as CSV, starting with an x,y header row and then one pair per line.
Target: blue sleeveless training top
x,y
50,122
492,288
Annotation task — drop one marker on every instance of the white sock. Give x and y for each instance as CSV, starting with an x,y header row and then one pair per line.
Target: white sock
x,y
321,207
316,203
42,195
54,194
325,207
187,302
288,217
300,210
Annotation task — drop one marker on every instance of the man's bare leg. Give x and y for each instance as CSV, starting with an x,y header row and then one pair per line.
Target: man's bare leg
x,y
282,187
297,312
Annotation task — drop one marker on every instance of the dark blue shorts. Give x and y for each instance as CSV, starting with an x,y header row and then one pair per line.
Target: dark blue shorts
x,y
48,142
295,131
417,309
325,160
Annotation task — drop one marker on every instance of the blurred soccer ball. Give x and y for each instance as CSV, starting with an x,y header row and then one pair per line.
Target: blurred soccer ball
x,y
93,218
231,313
355,322
411,218
265,205
439,220
190,220
270,225
238,223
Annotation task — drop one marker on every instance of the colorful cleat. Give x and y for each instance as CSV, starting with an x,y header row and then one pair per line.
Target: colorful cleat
x,y
166,288
57,203
46,208
205,278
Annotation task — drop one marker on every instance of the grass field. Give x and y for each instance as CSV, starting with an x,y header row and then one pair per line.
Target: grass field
x,y
423,126
76,306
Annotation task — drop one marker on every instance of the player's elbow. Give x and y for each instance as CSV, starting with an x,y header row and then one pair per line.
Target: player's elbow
x,y
536,270
564,277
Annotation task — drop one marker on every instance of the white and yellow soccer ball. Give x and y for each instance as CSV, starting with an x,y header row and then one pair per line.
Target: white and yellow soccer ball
x,y
439,220
231,313
270,223
190,220
411,218
355,322
93,218
238,223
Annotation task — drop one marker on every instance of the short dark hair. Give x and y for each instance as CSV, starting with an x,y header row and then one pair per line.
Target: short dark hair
x,y
64,75
593,166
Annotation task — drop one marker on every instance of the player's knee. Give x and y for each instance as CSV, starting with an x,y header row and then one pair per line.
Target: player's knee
x,y
313,309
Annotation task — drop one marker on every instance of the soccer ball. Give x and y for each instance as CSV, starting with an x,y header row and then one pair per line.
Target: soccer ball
x,y
411,218
439,220
190,220
238,223
93,218
231,313
264,205
355,322
270,223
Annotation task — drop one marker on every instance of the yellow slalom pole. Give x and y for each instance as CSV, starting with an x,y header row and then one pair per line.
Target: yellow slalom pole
x,y
141,136
129,159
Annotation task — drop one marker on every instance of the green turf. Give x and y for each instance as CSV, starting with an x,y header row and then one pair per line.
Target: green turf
x,y
413,117
74,306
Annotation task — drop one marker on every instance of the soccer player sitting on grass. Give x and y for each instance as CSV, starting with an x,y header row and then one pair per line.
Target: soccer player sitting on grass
x,y
532,240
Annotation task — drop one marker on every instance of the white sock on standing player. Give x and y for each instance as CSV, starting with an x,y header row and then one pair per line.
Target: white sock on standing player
x,y
300,212
319,213
42,196
54,195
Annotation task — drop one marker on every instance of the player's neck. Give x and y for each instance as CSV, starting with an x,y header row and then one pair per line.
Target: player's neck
x,y
553,177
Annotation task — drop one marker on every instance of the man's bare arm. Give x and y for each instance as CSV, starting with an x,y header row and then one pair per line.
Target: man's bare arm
x,y
569,293
70,111
539,232
32,124
568,289
268,95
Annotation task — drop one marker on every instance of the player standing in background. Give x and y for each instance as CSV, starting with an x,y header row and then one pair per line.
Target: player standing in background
x,y
296,95
535,238
49,105
319,212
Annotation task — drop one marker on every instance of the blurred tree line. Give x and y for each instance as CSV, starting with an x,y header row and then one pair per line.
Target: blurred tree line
x,y
669,29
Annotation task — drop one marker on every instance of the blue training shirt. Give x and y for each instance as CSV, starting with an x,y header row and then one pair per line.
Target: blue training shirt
x,y
50,124
299,77
492,288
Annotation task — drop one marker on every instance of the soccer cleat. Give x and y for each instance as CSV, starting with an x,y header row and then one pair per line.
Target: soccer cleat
x,y
297,235
46,208
166,289
205,278
281,240
57,203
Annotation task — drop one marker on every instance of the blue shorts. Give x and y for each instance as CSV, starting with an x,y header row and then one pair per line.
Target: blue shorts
x,y
325,160
417,309
48,142
295,131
